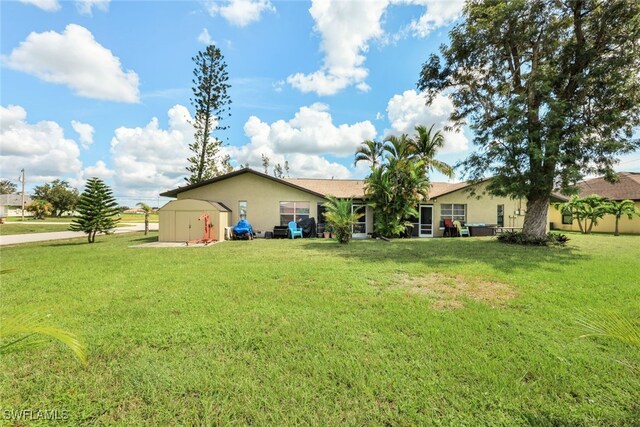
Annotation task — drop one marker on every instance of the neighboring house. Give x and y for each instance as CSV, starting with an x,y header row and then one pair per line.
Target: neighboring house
x,y
267,201
628,187
11,204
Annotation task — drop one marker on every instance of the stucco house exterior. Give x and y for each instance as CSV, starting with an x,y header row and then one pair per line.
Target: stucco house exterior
x,y
11,204
268,201
628,187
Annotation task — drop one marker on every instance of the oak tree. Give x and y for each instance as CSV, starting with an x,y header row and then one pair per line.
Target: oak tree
x,y
550,88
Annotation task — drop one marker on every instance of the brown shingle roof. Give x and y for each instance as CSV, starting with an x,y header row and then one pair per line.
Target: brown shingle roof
x,y
354,188
627,188
342,188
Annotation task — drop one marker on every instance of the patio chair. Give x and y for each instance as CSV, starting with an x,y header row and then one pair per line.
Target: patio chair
x,y
463,230
294,230
449,228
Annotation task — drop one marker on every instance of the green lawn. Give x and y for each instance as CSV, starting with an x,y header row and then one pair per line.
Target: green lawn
x,y
28,228
280,332
67,219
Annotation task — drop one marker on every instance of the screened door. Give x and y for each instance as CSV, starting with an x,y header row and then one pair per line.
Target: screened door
x,y
360,226
426,220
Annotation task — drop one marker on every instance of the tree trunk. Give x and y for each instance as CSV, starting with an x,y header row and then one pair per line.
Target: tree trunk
x,y
146,223
616,232
535,221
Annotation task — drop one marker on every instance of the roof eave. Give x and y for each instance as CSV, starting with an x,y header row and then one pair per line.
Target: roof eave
x,y
176,191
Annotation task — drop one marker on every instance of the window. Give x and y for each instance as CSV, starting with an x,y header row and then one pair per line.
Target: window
x,y
242,209
293,211
567,218
452,211
500,221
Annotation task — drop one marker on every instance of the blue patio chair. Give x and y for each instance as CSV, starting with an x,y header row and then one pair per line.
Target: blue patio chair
x,y
463,230
294,230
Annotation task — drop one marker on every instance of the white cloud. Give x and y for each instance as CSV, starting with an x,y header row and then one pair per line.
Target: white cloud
x,y
46,5
149,160
205,38
438,14
347,28
409,109
85,131
310,131
41,148
240,12
85,7
99,170
302,141
75,59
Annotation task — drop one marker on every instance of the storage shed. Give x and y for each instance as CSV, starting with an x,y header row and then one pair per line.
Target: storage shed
x,y
179,220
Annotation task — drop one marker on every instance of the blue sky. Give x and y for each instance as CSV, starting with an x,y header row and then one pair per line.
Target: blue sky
x,y
101,88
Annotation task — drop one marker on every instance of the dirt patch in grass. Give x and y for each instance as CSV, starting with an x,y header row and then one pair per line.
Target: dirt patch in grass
x,y
450,292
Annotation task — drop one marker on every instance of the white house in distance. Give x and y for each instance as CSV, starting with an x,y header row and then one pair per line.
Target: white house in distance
x,y
11,204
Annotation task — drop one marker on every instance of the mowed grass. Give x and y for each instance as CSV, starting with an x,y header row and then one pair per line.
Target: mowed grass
x,y
125,217
24,228
281,332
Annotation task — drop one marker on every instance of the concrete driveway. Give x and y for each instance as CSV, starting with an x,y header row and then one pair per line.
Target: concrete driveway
x,y
15,239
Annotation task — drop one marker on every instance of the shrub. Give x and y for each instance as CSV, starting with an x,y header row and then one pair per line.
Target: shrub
x,y
39,208
519,238
340,218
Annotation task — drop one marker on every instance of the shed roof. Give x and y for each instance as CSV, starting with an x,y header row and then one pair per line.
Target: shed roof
x,y
628,187
219,206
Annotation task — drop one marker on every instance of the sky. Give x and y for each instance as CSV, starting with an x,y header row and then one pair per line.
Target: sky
x,y
102,88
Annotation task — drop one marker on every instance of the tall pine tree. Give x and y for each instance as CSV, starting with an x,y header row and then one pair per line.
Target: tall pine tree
x,y
97,210
211,103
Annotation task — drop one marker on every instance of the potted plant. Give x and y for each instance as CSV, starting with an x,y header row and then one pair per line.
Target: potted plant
x,y
327,231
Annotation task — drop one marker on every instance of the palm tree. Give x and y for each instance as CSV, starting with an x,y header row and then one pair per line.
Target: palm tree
x,y
341,217
398,148
369,151
625,207
425,144
147,210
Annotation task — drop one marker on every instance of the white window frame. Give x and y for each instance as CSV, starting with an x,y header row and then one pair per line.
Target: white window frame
x,y
242,211
296,216
454,217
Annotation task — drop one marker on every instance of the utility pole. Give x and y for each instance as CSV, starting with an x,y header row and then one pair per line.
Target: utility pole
x,y
22,180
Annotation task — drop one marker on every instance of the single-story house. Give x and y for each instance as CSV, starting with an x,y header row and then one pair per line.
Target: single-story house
x,y
628,187
267,201
11,204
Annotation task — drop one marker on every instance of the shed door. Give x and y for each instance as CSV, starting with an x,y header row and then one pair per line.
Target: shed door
x,y
188,227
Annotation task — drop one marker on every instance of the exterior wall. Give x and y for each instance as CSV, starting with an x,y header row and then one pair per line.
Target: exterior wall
x,y
481,210
605,225
178,221
263,197
7,211
369,219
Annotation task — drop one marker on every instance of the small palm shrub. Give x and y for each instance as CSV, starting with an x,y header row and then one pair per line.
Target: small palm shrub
x,y
519,238
340,217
